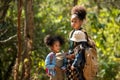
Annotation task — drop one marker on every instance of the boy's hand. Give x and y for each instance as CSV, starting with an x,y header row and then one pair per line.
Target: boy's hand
x,y
70,56
56,68
63,69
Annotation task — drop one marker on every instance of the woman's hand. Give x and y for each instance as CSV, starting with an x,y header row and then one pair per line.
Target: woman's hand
x,y
72,67
68,56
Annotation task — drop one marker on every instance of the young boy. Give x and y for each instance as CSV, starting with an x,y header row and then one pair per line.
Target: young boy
x,y
51,62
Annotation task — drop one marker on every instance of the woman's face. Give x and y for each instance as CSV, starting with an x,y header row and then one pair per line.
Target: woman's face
x,y
56,46
76,22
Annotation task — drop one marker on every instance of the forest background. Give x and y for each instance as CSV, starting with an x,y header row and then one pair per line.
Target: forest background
x,y
25,23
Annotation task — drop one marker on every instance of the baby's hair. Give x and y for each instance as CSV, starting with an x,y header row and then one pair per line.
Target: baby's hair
x,y
49,40
80,11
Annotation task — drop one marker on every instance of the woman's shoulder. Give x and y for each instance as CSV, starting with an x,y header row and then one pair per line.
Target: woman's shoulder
x,y
82,31
70,33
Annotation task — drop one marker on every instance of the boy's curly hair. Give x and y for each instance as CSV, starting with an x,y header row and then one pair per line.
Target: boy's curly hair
x,y
49,40
80,11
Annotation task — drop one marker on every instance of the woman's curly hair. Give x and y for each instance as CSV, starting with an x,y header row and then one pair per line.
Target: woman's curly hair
x,y
49,40
80,11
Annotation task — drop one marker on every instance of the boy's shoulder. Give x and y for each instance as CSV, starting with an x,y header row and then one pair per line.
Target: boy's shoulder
x,y
50,54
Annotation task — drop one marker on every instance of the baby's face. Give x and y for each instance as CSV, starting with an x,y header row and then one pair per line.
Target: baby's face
x,y
56,46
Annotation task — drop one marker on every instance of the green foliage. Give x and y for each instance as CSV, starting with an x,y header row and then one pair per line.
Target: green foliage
x,y
105,31
53,17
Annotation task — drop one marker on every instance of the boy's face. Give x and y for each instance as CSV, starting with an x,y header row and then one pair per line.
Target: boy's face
x,y
56,46
76,22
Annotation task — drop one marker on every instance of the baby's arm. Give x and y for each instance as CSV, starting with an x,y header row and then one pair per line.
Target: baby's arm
x,y
77,60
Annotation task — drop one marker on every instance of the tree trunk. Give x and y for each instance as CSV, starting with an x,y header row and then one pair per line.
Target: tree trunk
x,y
19,50
75,2
28,33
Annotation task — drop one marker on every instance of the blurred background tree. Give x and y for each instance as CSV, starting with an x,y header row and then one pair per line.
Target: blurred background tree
x,y
53,17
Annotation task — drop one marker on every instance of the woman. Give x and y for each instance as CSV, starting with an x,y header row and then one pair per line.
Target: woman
x,y
74,69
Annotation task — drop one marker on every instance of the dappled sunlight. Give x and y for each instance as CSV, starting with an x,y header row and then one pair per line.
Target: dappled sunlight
x,y
42,17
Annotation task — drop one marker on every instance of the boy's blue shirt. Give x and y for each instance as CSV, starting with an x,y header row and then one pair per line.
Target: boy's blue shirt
x,y
50,64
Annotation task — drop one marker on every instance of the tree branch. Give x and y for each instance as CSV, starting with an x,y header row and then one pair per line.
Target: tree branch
x,y
3,32
10,38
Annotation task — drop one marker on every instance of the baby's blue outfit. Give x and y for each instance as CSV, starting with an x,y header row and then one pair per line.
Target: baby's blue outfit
x,y
50,65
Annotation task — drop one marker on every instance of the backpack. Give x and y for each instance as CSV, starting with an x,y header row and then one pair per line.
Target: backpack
x,y
91,65
60,59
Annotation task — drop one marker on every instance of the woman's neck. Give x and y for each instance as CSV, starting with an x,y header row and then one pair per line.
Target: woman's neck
x,y
79,28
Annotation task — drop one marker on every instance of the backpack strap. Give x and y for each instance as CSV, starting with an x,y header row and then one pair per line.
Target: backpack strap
x,y
86,35
71,42
51,58
91,43
71,33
